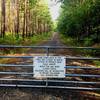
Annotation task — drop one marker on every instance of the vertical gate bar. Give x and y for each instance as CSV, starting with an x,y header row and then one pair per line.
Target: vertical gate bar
x,y
66,61
47,51
47,54
33,66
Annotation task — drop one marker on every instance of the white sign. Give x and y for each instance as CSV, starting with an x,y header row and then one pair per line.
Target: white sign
x,y
49,66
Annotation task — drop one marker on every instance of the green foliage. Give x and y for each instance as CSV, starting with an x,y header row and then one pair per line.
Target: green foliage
x,y
97,63
11,40
80,19
24,18
32,2
68,40
88,41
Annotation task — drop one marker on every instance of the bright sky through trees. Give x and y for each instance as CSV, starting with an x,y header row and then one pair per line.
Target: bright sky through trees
x,y
54,9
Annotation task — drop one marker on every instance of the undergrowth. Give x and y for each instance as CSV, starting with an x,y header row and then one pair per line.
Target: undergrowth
x,y
36,38
29,41
69,41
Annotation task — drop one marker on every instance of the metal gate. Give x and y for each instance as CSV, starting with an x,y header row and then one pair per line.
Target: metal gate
x,y
71,81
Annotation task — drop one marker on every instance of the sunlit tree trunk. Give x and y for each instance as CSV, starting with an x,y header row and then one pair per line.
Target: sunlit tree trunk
x,y
24,21
17,26
3,18
30,24
17,19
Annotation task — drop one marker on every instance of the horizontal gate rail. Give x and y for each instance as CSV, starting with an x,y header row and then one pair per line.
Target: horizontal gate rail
x,y
68,67
16,57
82,75
67,75
82,67
28,83
52,87
49,47
57,81
70,58
82,58
10,65
16,73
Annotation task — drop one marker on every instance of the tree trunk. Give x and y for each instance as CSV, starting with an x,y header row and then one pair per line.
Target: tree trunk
x,y
3,18
30,24
24,22
17,23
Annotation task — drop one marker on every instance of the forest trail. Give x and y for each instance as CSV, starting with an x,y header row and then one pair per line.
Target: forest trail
x,y
53,41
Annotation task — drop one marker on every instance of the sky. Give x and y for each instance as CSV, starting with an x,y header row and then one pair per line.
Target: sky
x,y
54,9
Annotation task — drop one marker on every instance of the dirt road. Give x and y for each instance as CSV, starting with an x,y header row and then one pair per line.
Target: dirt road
x,y
53,41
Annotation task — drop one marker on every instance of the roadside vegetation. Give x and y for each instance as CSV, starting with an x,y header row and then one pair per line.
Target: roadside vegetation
x,y
79,25
24,22
35,39
79,22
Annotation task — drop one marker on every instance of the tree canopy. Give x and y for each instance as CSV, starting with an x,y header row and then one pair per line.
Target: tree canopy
x,y
81,19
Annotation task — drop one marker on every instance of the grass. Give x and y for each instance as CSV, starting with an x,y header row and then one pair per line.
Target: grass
x,y
68,40
97,63
30,41
12,40
86,42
